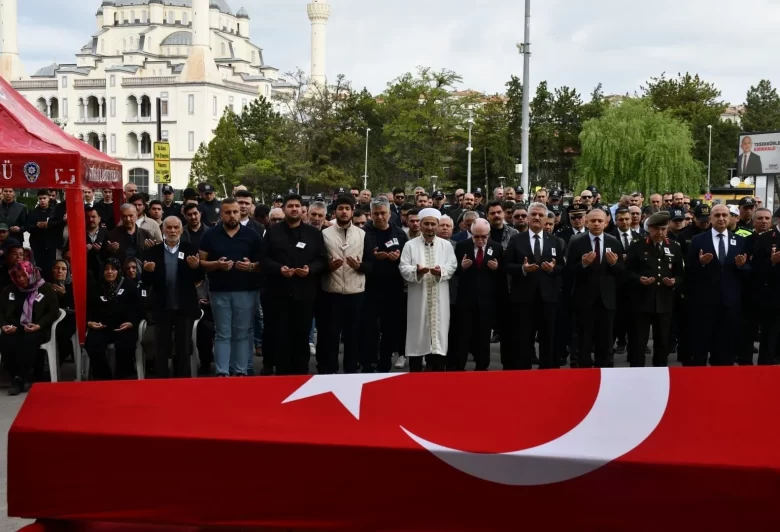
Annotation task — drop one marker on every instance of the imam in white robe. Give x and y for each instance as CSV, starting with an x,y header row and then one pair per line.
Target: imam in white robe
x,y
428,316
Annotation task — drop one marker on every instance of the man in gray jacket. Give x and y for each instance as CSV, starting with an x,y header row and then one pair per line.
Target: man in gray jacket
x,y
13,214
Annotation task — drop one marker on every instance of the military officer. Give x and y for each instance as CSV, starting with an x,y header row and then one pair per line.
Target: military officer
x,y
577,223
654,271
766,263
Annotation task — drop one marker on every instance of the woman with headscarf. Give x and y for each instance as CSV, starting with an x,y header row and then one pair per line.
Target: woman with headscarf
x,y
28,309
134,272
113,314
13,255
63,287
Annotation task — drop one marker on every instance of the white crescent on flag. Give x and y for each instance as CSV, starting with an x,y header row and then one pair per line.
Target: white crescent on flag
x,y
629,406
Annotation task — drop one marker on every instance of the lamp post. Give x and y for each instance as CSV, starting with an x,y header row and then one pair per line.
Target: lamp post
x,y
365,173
525,51
709,163
501,181
469,150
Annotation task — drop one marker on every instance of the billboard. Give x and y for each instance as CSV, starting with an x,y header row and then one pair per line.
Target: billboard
x,y
758,154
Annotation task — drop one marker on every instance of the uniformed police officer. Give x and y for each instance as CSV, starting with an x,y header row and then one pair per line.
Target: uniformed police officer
x,y
654,269
766,262
566,334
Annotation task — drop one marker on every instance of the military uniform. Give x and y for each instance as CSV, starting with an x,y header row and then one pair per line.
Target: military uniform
x,y
653,304
769,273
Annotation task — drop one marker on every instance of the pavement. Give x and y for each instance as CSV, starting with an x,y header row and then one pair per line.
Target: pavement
x,y
9,406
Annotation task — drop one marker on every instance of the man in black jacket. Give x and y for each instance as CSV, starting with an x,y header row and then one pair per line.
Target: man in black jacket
x,y
105,208
170,207
209,207
96,238
596,264
42,239
626,236
173,270
480,261
194,229
127,240
383,307
14,214
654,272
295,260
534,260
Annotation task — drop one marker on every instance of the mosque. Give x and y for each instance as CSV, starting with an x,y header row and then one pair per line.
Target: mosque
x,y
196,56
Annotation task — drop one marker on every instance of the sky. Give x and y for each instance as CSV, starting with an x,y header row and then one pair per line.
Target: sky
x,y
578,43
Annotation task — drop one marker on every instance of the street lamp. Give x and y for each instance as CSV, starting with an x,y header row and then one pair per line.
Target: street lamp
x,y
365,173
709,163
433,183
501,181
469,150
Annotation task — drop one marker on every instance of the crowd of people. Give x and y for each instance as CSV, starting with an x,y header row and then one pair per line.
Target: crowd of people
x,y
418,281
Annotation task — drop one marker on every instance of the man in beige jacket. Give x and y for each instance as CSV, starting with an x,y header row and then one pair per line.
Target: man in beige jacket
x,y
350,257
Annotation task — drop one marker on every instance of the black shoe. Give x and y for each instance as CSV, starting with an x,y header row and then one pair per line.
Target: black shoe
x,y
620,349
17,386
647,350
495,338
266,372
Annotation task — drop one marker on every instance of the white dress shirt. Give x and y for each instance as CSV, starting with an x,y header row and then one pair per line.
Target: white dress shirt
x,y
716,241
531,236
601,244
628,235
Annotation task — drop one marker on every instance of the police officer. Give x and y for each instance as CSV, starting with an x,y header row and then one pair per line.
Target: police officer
x,y
577,223
654,270
766,263
747,206
677,224
566,332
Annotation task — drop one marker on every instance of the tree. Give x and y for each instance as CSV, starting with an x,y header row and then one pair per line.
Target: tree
x,y
762,108
514,104
635,147
596,106
491,133
224,154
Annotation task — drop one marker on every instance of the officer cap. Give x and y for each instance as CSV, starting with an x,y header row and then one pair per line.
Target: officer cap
x,y
555,209
659,219
519,190
702,212
676,214
747,201
555,194
576,208
438,195
478,192
734,210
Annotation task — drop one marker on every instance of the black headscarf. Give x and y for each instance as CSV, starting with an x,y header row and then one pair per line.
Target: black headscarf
x,y
111,289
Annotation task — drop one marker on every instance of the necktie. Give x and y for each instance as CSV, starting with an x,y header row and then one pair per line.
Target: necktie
x,y
625,241
744,162
722,249
480,257
597,250
537,250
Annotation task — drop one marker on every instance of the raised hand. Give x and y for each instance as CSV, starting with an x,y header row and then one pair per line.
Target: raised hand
x,y
466,262
740,260
193,262
336,263
422,270
244,265
353,262
588,258
705,258
287,272
647,281
149,266
225,265
529,268
611,258
302,272
549,266
493,264
669,282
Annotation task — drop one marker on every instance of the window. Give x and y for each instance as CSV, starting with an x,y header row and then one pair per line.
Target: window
x,y
191,141
222,49
140,177
170,17
214,105
164,134
112,80
132,17
163,107
64,82
112,107
191,104
113,143
65,108
184,18
253,56
230,107
243,103
143,17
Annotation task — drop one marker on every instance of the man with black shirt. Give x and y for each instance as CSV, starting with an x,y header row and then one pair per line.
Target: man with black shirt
x,y
626,237
127,240
753,285
577,221
500,232
263,214
13,214
232,254
244,199
383,308
295,260
209,207
520,217
170,207
42,239
747,206
96,238
105,208
399,198
194,230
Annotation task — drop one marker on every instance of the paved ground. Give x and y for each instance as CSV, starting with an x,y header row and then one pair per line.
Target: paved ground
x,y
9,406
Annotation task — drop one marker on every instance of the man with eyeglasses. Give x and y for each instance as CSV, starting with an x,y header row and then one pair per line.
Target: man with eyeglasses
x,y
765,262
566,336
586,199
668,199
717,262
686,203
276,216
636,220
577,220
399,198
520,217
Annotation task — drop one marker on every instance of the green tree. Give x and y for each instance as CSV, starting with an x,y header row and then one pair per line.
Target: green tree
x,y
491,135
514,104
762,108
218,162
595,106
635,147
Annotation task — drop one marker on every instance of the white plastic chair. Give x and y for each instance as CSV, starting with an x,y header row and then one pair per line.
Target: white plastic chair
x,y
195,358
51,348
78,356
139,354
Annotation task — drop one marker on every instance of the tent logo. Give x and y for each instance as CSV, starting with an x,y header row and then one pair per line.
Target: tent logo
x,y
32,172
8,170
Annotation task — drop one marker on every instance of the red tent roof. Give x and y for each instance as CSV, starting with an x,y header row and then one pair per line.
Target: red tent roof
x,y
35,152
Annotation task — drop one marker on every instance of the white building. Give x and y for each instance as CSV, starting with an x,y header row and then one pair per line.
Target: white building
x,y
143,50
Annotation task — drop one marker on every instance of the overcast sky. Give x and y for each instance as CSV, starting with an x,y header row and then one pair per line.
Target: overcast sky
x,y
578,43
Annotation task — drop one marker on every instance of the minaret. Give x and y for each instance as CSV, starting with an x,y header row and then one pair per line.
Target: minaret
x,y
200,65
11,68
319,12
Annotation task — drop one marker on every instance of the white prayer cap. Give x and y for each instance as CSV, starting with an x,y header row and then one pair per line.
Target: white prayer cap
x,y
430,213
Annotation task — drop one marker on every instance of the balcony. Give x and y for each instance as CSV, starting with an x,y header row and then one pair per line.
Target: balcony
x,y
145,156
89,83
149,82
135,119
91,120
35,84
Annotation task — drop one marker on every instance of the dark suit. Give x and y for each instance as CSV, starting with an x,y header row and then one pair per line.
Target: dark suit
x,y
179,314
623,316
535,297
594,298
754,166
769,298
715,294
652,305
476,303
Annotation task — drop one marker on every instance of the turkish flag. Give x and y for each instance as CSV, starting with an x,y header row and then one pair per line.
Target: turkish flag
x,y
232,453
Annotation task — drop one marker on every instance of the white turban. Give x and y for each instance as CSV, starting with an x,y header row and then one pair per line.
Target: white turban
x,y
430,213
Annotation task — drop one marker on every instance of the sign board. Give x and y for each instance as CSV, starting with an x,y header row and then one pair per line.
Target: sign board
x,y
758,154
162,163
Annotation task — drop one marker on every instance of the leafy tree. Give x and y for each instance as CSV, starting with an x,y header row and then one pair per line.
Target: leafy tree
x,y
491,134
596,106
762,108
635,147
514,104
224,154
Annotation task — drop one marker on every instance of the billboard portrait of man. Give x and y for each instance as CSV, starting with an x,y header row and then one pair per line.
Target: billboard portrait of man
x,y
749,163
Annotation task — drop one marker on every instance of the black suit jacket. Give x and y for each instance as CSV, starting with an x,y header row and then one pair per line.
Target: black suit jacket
x,y
283,250
644,260
597,282
525,286
186,278
768,275
634,237
120,235
754,166
566,234
479,287
714,284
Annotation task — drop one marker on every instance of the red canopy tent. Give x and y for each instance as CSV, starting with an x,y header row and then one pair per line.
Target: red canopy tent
x,y
36,153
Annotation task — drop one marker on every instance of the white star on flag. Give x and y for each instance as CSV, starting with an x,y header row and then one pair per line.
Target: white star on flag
x,y
348,389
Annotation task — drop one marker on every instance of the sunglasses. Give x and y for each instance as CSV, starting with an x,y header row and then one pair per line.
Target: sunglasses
x,y
478,237
400,197
519,216
586,197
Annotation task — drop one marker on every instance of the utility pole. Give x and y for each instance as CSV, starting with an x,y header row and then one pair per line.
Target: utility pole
x,y
469,150
709,163
365,173
525,50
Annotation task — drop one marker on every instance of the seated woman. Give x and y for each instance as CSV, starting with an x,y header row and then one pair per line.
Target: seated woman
x,y
28,309
63,287
134,272
13,255
113,314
